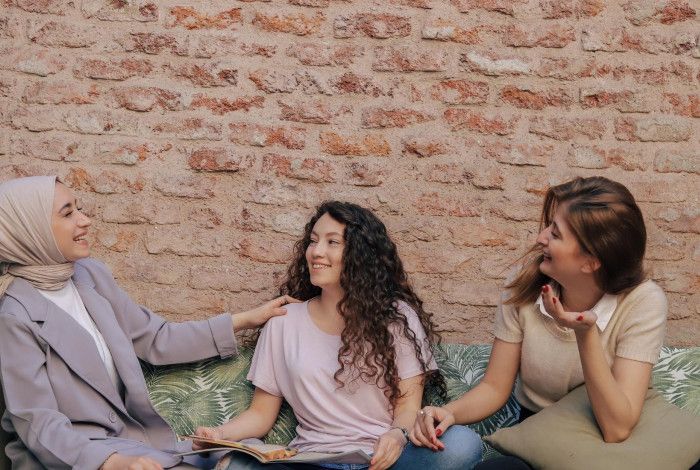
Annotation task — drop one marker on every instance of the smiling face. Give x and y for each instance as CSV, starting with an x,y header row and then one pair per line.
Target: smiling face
x,y
69,225
324,254
564,259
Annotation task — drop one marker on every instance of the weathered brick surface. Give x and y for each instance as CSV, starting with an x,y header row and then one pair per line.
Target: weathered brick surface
x,y
201,135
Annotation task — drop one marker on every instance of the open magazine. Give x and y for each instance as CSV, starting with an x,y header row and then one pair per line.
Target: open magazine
x,y
270,453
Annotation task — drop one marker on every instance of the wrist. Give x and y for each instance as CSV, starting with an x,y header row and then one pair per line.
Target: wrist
x,y
400,432
240,321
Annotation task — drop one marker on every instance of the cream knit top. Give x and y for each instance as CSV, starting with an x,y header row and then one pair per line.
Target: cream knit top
x,y
550,365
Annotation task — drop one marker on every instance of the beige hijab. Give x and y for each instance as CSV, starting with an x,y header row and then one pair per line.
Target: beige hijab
x,y
27,246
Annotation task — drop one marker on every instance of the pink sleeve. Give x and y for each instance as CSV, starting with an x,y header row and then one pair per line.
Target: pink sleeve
x,y
262,367
407,363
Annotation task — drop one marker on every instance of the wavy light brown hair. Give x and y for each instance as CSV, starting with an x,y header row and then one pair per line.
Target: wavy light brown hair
x,y
373,281
607,224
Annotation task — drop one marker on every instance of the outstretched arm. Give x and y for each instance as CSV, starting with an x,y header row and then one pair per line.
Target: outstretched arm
x,y
481,401
256,421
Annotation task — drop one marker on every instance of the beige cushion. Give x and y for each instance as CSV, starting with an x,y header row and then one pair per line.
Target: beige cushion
x,y
566,436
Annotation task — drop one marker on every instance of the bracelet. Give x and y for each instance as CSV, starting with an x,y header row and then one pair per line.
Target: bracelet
x,y
403,431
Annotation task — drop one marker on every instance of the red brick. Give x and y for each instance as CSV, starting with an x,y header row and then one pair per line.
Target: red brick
x,y
190,18
274,81
642,12
222,106
521,154
215,159
35,62
60,92
228,278
351,83
112,69
56,148
309,111
559,9
194,187
183,241
488,63
379,26
484,234
480,293
266,251
382,117
408,59
96,121
144,270
665,249
189,129
55,34
531,99
452,173
136,98
310,3
684,105
117,239
652,191
129,153
685,221
211,74
658,75
120,10
142,210
298,24
435,204
366,174
428,260
354,145
425,147
107,182
460,91
311,169
54,7
567,128
551,36
600,158
152,43
479,122
34,119
667,161
441,29
425,4
653,129
264,136
626,101
506,7
311,53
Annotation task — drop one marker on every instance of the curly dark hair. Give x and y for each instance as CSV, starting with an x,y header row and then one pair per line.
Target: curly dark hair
x,y
373,281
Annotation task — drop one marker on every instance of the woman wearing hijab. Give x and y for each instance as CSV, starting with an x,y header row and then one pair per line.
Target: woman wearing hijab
x,y
71,340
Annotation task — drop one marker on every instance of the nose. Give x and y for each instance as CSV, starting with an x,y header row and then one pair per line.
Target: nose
x,y
543,236
317,250
84,220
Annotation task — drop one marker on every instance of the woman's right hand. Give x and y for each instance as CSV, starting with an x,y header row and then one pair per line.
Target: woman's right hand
x,y
425,433
209,433
125,462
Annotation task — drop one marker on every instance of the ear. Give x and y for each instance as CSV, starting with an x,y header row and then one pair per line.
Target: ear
x,y
591,265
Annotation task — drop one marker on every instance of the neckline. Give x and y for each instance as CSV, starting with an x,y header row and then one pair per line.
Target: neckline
x,y
310,319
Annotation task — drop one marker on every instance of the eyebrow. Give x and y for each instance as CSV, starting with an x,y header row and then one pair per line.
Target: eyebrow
x,y
67,205
556,227
313,232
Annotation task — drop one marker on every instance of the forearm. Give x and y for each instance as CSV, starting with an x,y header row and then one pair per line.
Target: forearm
x,y
611,406
478,403
250,423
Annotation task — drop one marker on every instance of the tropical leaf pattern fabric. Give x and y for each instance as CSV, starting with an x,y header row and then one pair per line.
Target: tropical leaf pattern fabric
x,y
211,392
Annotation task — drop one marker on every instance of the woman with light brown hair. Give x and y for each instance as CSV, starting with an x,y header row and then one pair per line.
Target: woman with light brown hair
x,y
579,310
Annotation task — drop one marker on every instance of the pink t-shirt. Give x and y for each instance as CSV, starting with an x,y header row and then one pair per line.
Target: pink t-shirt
x,y
294,359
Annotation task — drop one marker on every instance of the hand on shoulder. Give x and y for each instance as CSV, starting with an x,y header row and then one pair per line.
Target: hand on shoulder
x,y
260,315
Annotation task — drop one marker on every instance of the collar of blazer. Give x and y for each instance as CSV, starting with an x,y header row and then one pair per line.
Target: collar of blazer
x,y
70,340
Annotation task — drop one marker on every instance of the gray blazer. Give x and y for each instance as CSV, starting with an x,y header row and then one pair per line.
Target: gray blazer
x,y
62,409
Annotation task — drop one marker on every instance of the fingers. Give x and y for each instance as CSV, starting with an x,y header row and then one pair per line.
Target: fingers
x,y
427,436
284,299
387,452
278,311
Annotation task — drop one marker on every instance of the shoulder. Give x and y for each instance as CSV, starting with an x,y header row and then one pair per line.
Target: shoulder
x,y
13,307
648,292
291,319
92,268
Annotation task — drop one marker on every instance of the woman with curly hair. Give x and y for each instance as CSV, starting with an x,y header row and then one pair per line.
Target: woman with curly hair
x,y
351,360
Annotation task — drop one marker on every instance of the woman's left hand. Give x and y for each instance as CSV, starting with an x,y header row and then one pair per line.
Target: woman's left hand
x,y
258,316
387,449
578,321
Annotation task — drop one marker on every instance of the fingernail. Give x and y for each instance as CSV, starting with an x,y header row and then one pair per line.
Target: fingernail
x,y
554,300
545,288
438,432
579,318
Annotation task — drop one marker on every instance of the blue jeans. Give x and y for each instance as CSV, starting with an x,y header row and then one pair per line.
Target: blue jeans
x,y
462,452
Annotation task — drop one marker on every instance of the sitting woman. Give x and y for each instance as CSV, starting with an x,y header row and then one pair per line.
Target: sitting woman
x,y
579,311
352,359
71,340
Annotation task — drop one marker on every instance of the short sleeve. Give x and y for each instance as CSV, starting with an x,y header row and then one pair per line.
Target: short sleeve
x,y
407,363
642,333
507,325
262,367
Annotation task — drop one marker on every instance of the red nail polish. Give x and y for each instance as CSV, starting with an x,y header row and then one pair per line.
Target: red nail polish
x,y
554,300
438,432
579,318
545,288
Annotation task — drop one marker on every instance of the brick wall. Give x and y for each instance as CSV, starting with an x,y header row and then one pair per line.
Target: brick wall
x,y
202,134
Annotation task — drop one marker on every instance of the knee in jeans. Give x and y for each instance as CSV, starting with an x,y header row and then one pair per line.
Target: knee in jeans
x,y
462,448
